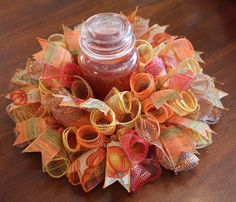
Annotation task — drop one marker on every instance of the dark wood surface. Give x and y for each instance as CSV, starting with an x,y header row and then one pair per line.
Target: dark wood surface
x,y
209,24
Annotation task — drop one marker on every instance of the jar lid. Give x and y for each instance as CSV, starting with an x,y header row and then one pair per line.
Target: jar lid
x,y
107,36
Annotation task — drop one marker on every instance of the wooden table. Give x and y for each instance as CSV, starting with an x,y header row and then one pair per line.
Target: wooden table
x,y
210,25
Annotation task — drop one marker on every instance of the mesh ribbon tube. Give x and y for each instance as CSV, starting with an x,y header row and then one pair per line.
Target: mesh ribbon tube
x,y
186,104
58,166
69,140
142,85
88,137
134,146
81,89
128,120
105,124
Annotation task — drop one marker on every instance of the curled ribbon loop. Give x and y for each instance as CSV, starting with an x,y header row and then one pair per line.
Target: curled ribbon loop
x,y
81,89
145,52
128,120
58,166
186,104
142,85
120,103
105,124
88,137
161,114
135,147
69,140
149,130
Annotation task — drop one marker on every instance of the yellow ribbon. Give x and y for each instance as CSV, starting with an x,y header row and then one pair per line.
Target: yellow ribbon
x,y
186,104
57,167
105,124
70,133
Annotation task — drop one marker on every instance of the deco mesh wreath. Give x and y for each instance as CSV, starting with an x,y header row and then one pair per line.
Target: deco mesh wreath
x,y
163,120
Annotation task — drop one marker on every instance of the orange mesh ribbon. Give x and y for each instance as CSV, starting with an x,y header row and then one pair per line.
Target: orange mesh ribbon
x,y
148,129
142,85
161,114
88,137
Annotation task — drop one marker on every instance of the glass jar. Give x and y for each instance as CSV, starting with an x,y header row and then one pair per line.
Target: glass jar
x,y
108,55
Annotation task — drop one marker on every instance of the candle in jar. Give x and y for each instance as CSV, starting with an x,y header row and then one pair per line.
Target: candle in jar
x,y
108,55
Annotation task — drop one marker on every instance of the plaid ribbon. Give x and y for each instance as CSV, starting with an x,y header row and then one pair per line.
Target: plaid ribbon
x,y
53,54
29,129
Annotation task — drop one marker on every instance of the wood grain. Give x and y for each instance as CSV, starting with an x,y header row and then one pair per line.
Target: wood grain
x,y
210,25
